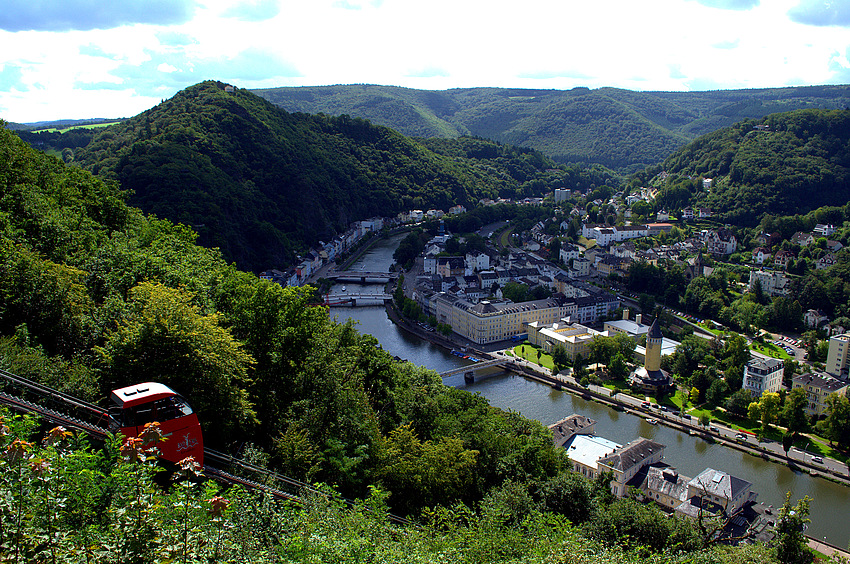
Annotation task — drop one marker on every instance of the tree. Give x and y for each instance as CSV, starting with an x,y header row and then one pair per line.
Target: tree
x,y
167,339
559,355
738,403
717,392
766,410
794,411
836,426
694,396
617,367
555,250
792,547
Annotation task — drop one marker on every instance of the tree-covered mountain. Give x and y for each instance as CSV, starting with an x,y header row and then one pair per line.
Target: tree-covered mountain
x,y
620,129
95,295
260,183
784,164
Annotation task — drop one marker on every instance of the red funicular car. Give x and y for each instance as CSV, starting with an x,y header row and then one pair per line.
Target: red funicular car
x,y
136,405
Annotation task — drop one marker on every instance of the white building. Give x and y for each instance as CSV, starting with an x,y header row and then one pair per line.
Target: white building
x,y
477,261
712,487
762,374
773,283
561,195
568,252
836,358
580,268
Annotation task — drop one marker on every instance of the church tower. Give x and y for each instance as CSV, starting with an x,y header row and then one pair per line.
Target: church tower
x,y
653,348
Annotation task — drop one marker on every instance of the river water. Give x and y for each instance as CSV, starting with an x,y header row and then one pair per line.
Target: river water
x,y
830,506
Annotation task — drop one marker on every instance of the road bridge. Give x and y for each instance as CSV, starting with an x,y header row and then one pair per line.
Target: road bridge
x,y
354,299
361,276
471,368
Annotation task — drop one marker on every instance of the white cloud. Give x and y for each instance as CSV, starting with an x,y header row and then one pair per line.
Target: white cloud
x,y
677,45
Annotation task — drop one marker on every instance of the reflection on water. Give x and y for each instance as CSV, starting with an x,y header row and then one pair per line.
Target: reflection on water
x,y
830,507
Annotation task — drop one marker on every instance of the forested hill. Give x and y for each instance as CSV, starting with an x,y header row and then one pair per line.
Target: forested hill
x,y
620,129
260,183
784,164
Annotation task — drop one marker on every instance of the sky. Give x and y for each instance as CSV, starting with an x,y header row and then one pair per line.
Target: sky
x,y
77,59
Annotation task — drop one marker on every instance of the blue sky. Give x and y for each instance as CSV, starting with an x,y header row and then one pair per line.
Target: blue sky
x,y
90,58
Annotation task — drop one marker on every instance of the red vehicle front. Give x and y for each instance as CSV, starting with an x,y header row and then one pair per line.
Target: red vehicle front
x,y
136,405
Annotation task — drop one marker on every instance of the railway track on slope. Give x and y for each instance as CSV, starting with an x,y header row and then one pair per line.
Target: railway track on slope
x,y
58,408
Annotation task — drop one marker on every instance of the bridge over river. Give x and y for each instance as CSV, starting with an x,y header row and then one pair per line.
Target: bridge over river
x,y
361,276
355,299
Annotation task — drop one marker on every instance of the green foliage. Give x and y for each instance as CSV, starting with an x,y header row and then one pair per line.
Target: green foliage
x,y
618,128
163,337
791,543
261,184
61,500
836,426
798,162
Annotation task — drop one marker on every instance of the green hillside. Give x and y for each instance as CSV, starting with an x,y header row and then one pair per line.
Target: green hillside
x,y
95,295
620,129
784,164
261,183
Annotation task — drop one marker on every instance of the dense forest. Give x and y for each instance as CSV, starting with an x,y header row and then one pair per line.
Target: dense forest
x,y
262,184
620,129
95,295
784,164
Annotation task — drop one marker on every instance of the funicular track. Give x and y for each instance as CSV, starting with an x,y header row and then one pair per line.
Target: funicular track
x,y
59,408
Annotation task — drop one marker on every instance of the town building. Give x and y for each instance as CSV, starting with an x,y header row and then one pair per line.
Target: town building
x,y
714,488
837,356
773,282
649,378
634,329
818,387
585,451
762,374
574,337
567,428
625,461
665,486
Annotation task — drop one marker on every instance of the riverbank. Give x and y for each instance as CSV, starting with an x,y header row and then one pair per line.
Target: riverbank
x,y
622,402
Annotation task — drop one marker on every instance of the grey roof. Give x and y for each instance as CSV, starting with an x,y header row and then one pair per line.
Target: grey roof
x,y
655,330
720,484
667,481
563,430
821,381
631,454
764,364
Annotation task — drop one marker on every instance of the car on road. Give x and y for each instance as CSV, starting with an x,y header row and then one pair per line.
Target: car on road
x,y
741,437
817,459
644,404
714,429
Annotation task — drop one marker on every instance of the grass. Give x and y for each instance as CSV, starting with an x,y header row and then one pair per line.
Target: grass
x,y
505,238
529,353
586,243
67,129
819,445
771,350
710,328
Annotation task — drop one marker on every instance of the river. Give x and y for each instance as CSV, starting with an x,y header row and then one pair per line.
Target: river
x,y
830,506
